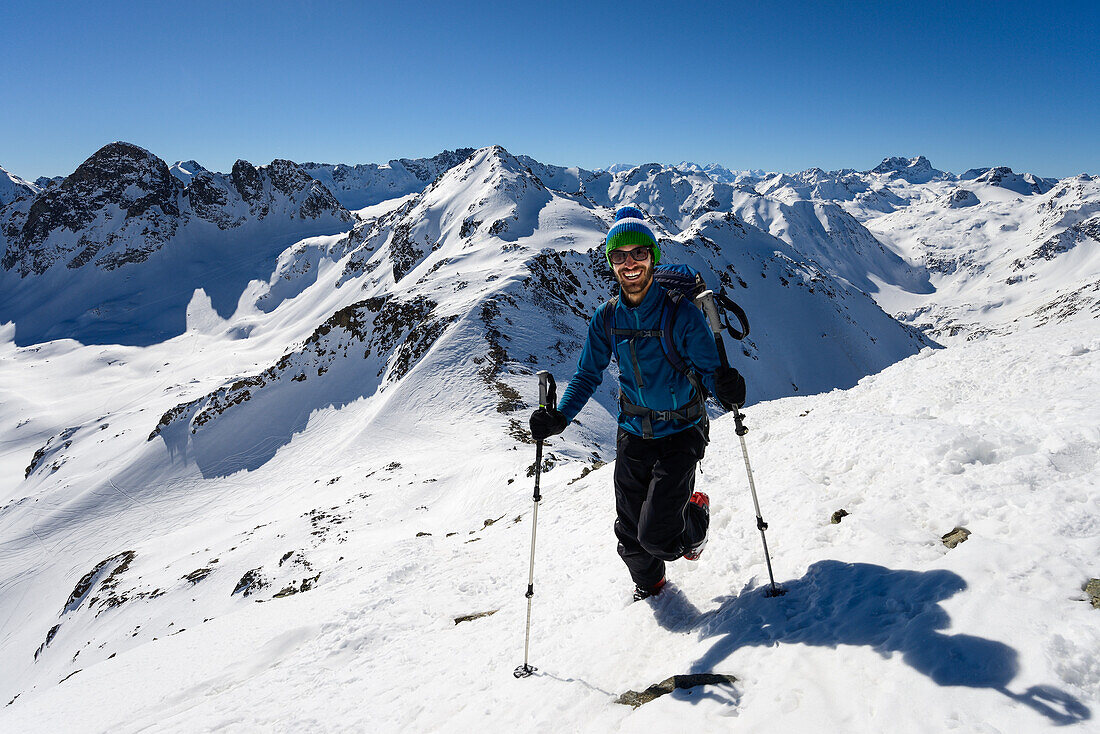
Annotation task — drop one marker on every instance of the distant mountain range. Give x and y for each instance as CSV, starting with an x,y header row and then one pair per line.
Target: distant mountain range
x,y
125,207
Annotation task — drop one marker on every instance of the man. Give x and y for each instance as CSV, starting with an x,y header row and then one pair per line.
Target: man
x,y
663,425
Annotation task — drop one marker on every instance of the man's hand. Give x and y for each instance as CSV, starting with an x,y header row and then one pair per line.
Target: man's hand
x,y
729,388
547,422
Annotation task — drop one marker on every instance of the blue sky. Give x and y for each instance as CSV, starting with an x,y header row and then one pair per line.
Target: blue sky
x,y
779,86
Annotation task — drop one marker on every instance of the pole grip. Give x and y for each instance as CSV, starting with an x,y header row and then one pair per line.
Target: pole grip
x,y
705,301
548,390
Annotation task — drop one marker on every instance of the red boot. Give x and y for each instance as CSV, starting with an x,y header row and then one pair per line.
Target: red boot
x,y
699,499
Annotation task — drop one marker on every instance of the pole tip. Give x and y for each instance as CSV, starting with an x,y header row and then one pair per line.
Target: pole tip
x,y
524,671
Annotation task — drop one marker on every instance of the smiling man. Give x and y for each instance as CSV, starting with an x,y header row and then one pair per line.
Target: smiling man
x,y
663,425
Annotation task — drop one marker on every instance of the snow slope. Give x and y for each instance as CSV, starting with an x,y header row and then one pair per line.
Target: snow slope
x,y
993,635
12,187
1002,259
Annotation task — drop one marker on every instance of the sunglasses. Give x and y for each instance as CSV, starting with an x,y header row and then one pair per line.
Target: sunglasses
x,y
638,254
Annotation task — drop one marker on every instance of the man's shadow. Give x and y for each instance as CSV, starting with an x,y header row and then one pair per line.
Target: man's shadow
x,y
888,610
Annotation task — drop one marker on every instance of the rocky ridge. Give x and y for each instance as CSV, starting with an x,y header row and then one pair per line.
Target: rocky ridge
x,y
123,204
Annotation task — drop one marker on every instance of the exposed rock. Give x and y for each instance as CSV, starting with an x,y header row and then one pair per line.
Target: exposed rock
x,y
252,581
303,585
838,516
198,575
118,564
668,685
53,447
1006,178
1092,588
246,179
401,332
956,536
49,638
478,615
596,464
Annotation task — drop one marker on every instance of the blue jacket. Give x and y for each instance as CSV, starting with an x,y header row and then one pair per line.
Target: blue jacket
x,y
663,388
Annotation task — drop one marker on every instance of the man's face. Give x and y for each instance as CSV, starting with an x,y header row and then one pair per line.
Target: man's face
x,y
634,275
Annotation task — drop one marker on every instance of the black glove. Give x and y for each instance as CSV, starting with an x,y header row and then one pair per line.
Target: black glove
x,y
729,387
547,422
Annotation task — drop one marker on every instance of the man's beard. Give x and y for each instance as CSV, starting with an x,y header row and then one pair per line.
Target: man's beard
x,y
639,284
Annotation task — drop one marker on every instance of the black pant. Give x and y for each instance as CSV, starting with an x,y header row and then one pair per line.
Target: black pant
x,y
654,479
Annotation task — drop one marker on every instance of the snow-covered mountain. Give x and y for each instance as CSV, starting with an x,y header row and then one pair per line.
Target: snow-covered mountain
x,y
115,251
1000,255
365,184
289,452
488,255
12,187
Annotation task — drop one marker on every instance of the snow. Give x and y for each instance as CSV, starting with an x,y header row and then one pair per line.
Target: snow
x,y
295,554
1001,436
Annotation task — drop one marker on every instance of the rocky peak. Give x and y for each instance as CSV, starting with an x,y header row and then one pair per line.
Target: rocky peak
x,y
246,179
120,174
117,166
124,203
913,170
288,177
427,169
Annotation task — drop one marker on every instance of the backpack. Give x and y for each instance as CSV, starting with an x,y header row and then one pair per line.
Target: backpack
x,y
682,283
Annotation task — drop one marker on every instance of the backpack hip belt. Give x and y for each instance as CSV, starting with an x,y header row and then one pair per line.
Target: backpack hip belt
x,y
688,412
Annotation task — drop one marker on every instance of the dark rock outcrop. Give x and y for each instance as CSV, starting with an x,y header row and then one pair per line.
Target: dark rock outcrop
x,y
668,685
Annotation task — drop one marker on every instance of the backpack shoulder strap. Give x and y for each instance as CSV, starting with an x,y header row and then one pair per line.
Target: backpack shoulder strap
x,y
668,344
668,319
609,320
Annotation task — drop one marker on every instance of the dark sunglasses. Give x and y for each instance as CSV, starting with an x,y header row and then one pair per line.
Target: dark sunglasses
x,y
638,254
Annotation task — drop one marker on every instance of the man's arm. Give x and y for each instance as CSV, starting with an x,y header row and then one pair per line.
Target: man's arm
x,y
595,357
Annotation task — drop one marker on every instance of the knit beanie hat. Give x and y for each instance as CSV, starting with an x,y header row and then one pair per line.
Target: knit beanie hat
x,y
630,230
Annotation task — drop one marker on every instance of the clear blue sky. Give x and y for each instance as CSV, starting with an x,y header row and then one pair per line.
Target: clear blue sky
x,y
780,86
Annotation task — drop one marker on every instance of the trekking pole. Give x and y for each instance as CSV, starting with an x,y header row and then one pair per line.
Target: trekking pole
x,y
547,397
706,299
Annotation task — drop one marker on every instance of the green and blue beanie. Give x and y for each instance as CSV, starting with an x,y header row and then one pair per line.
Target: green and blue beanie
x,y
630,230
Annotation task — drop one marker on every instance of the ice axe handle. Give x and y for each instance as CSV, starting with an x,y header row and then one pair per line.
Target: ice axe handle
x,y
548,390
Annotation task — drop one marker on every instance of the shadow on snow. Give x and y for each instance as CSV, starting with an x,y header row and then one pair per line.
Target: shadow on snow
x,y
890,611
